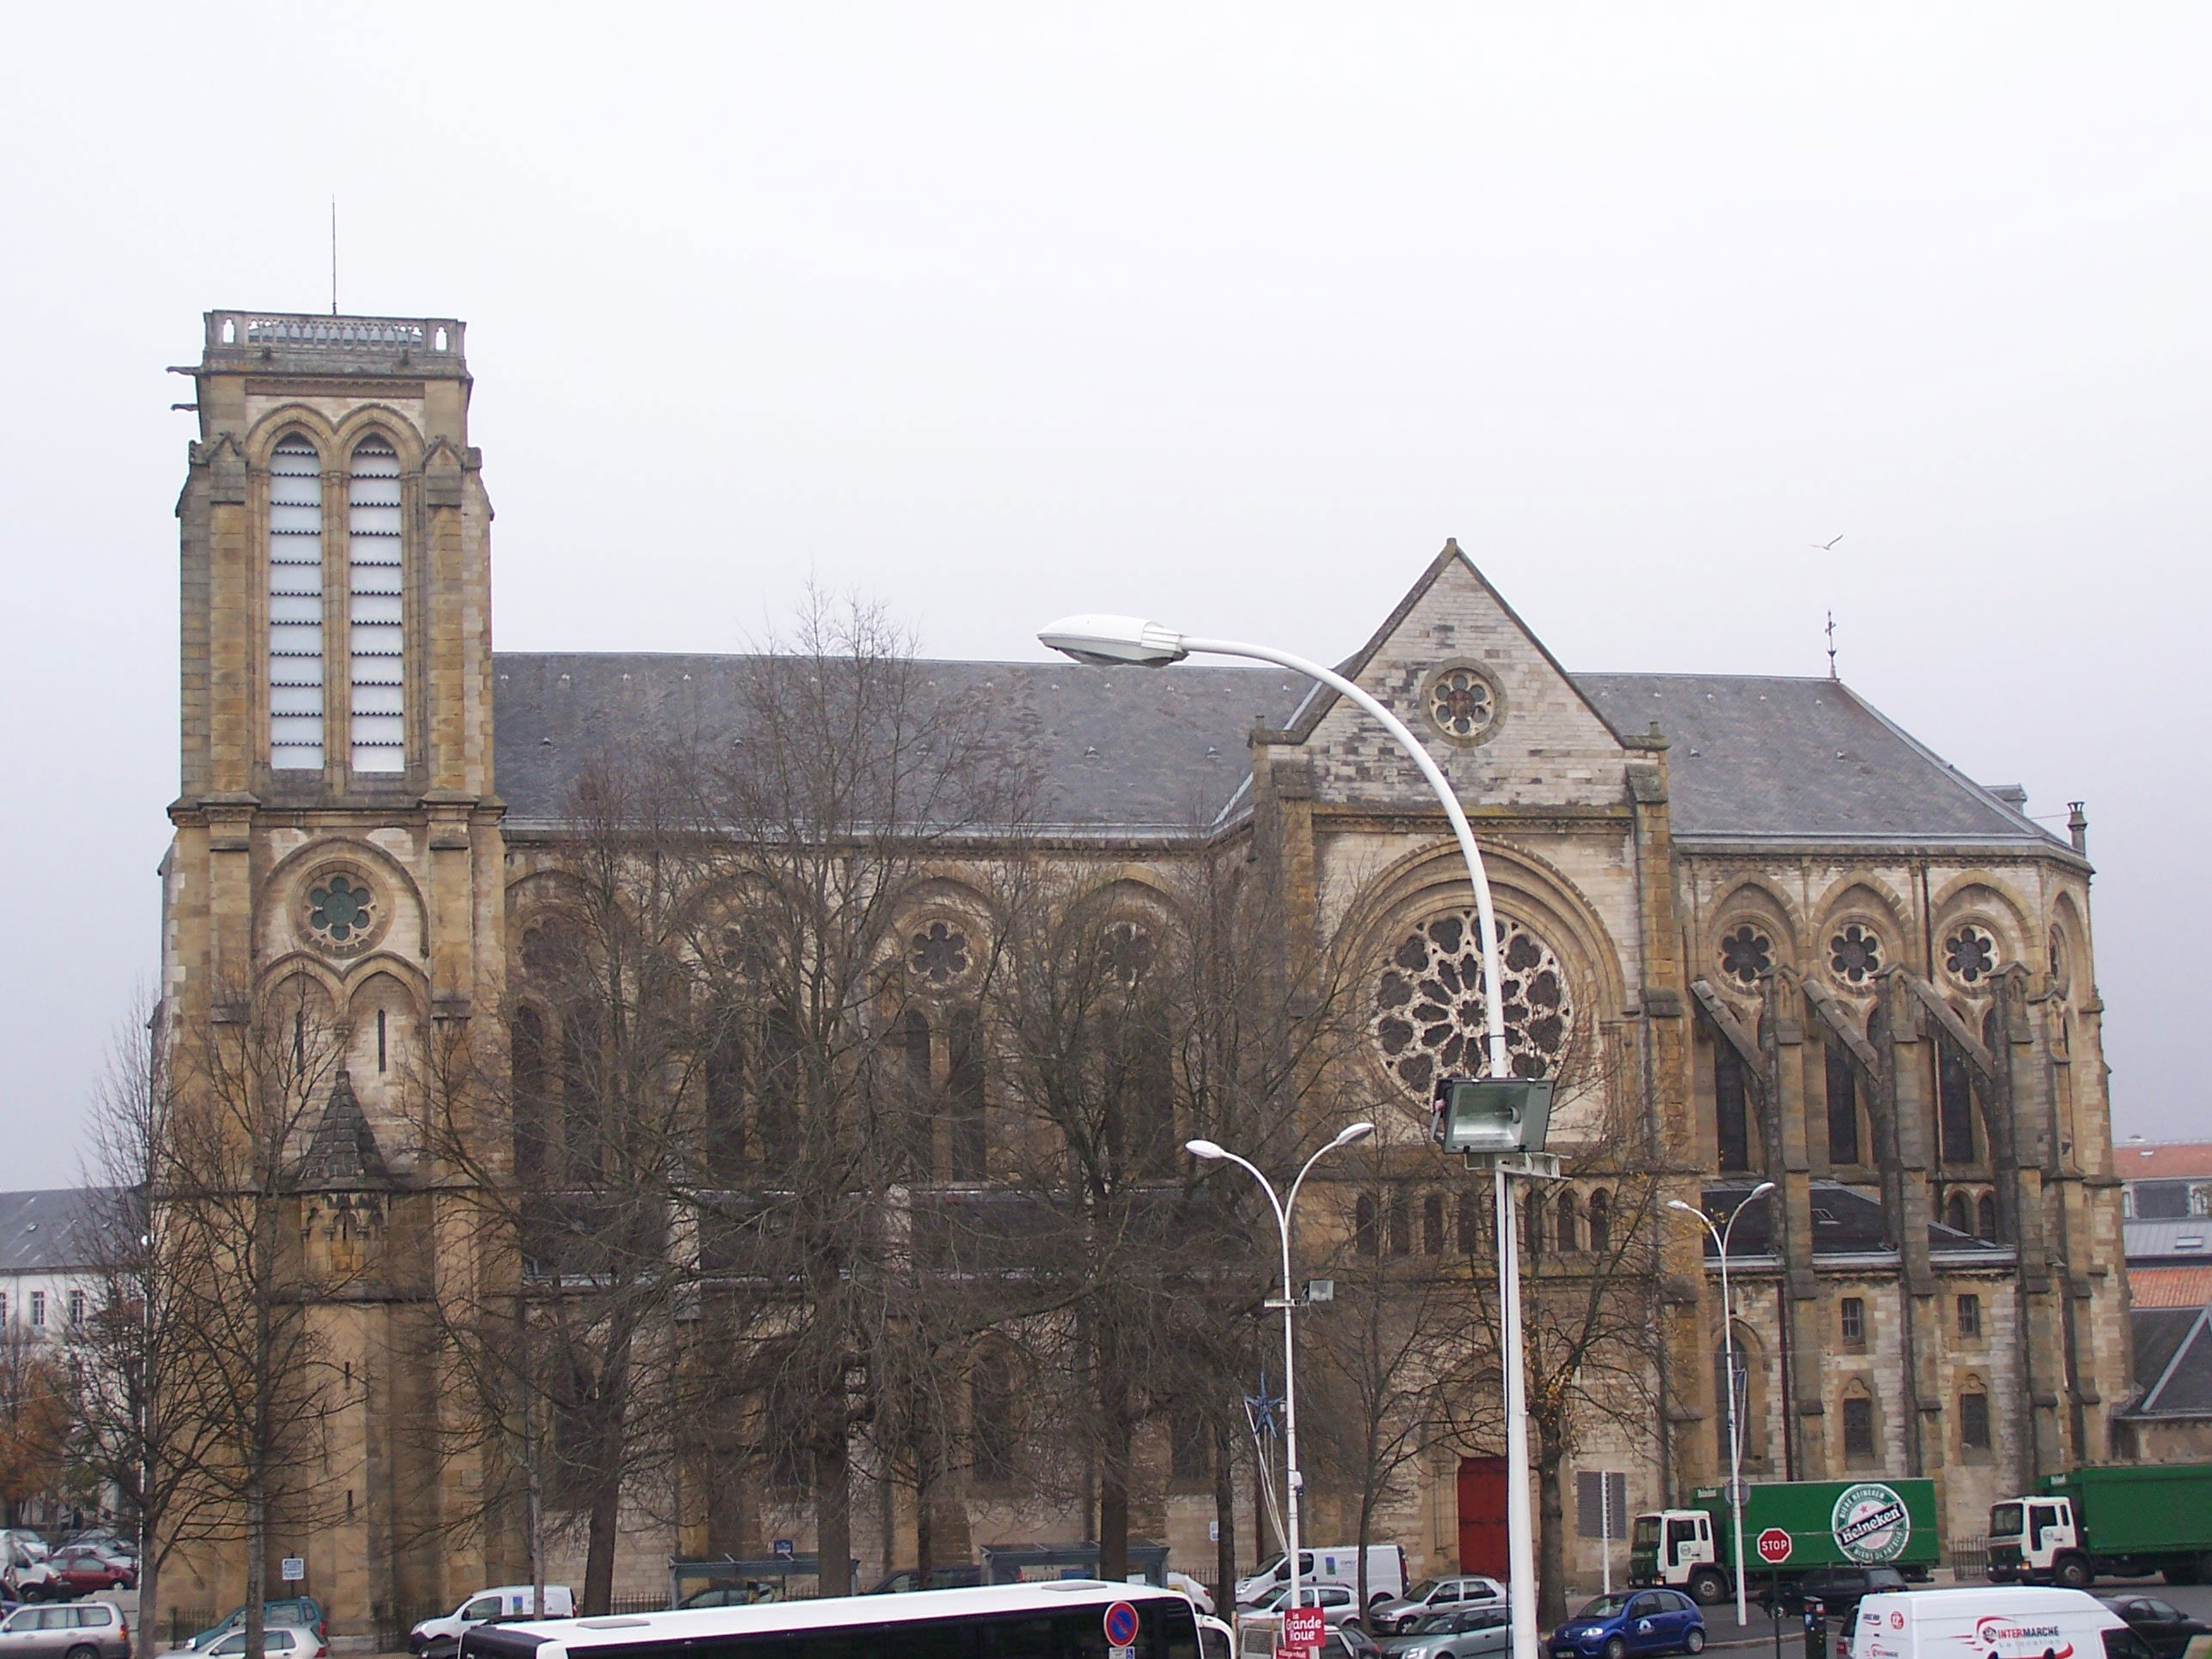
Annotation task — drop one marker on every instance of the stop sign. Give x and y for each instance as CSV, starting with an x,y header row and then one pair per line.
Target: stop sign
x,y
1774,1546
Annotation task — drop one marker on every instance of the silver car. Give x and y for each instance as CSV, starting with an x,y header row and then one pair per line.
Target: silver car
x,y
74,1630
278,1642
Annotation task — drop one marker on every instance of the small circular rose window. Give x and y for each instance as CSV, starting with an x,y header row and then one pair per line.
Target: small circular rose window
x,y
1855,954
1970,954
341,912
1461,703
1746,954
938,954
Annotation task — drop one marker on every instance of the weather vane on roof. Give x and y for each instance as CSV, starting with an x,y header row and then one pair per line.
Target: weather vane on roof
x,y
1832,644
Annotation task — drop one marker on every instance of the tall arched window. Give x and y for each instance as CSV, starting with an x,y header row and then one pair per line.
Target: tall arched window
x,y
295,605
1842,1107
1600,1222
376,635
1955,1086
1954,1214
1731,1118
726,1107
526,1055
1364,1238
1470,1223
1570,1225
964,1098
1433,1224
1985,1218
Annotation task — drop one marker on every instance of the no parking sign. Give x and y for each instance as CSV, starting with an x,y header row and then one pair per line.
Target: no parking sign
x,y
1120,1631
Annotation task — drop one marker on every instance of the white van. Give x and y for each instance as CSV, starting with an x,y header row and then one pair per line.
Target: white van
x,y
1336,1564
1993,1621
503,1602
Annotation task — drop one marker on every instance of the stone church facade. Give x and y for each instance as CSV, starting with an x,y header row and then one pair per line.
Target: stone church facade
x,y
1822,955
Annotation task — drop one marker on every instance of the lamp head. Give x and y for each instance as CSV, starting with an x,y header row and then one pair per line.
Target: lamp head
x,y
1110,641
1686,1209
1352,1132
1759,1192
1203,1149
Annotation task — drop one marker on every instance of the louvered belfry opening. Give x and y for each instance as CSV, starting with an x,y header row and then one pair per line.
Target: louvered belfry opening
x,y
295,605
376,630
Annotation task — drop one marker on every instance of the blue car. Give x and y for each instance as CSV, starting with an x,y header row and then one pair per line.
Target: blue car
x,y
1633,1622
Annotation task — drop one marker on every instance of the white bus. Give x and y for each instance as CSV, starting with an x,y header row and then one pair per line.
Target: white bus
x,y
1075,1618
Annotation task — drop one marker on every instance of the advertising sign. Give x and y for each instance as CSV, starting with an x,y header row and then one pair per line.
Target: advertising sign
x,y
1870,1524
1303,1629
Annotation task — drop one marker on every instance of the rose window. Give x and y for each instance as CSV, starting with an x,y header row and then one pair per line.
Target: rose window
x,y
341,910
1128,952
1854,955
1430,1020
938,954
1461,704
1970,954
1746,954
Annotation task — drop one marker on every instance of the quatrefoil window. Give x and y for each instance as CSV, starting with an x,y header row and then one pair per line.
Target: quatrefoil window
x,y
1461,702
1746,954
1855,954
938,954
1970,954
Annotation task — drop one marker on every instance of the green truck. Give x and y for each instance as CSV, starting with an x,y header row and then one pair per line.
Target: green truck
x,y
1791,1529
2121,1520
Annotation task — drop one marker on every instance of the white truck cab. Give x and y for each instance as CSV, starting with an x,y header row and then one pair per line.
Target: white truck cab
x,y
1680,1546
502,1602
2036,1538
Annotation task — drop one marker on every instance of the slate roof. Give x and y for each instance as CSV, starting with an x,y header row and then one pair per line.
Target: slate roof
x,y
2174,1362
1135,752
1845,1222
2188,1239
1122,751
1762,757
49,1231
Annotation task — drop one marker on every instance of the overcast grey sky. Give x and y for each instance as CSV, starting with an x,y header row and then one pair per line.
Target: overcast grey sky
x,y
1227,314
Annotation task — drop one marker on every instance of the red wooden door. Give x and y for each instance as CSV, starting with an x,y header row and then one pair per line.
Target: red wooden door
x,y
1482,1516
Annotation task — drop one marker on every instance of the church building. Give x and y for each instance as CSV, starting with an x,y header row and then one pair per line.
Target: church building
x,y
1814,952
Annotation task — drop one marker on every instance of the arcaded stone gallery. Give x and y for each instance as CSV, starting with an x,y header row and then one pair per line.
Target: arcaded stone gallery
x,y
691,1147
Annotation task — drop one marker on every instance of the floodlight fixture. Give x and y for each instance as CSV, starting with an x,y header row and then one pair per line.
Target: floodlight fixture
x,y
1105,641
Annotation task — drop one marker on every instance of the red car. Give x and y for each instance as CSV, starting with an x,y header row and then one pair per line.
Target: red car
x,y
86,1570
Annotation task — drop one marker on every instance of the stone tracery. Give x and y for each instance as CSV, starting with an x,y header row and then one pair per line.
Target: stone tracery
x,y
1429,1017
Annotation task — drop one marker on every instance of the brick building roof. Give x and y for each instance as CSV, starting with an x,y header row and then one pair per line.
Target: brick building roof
x,y
2162,1160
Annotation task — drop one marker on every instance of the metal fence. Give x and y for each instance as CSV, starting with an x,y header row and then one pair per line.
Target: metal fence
x,y
1970,1559
187,1622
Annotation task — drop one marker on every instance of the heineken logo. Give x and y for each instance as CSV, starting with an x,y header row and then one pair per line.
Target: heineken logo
x,y
1869,1523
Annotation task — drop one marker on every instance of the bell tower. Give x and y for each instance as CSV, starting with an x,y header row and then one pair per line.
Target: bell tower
x,y
338,848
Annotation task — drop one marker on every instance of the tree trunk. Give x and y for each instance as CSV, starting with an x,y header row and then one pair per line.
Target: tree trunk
x,y
1114,1480
1224,1521
599,1550
257,1564
833,1501
144,1640
1551,1556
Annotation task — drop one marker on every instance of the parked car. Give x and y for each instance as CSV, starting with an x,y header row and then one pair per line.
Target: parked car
x,y
1432,1595
1455,1633
2166,1628
1632,1622
502,1602
1337,1602
1348,1641
90,1629
301,1611
86,1570
1200,1598
278,1641
1837,1589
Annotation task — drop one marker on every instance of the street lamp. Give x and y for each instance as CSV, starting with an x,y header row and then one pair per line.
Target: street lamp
x,y
1110,641
1721,1236
1213,1152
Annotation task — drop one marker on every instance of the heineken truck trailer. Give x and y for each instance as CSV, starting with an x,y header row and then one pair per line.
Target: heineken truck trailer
x,y
2123,1522
1791,1529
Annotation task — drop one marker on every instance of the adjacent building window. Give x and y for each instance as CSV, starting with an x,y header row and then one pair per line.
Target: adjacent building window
x,y
1731,1119
1974,1421
1854,1321
1970,1316
3,1307
295,605
76,1310
38,1308
1842,1107
1859,1429
375,625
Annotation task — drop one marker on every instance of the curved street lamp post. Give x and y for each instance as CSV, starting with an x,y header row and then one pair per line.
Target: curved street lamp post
x,y
1720,1237
1282,1207
1116,641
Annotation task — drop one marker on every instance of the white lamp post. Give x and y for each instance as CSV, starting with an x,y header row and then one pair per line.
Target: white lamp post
x,y
1107,640
1293,1481
1721,1236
